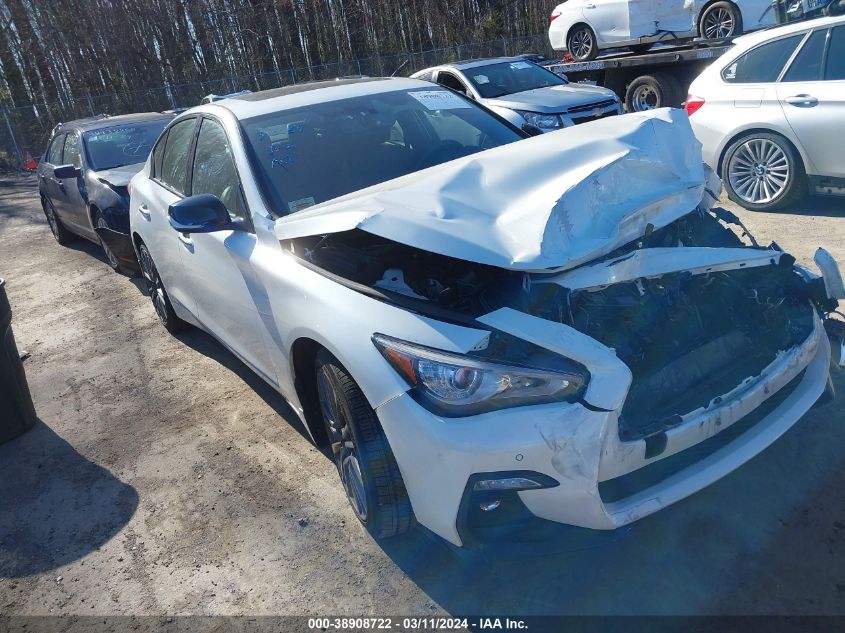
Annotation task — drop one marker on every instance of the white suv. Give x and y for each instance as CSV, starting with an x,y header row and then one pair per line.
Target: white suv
x,y
770,114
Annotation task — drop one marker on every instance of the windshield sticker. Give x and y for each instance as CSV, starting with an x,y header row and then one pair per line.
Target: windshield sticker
x,y
481,79
302,203
520,65
439,100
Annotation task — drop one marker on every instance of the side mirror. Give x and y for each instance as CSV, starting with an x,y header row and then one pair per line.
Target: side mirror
x,y
202,213
531,130
65,171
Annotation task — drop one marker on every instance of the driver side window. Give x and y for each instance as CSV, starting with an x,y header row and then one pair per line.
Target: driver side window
x,y
450,81
214,169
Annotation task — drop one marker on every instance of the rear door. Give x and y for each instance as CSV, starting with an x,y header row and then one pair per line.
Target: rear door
x,y
168,184
74,209
610,19
218,265
47,184
812,94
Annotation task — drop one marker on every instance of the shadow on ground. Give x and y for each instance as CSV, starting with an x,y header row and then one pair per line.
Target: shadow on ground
x,y
56,506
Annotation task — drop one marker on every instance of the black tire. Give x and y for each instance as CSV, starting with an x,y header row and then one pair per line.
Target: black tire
x,y
639,49
62,235
581,43
648,92
97,221
158,295
737,185
714,20
362,455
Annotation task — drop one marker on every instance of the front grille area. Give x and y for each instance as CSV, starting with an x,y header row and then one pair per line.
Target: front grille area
x,y
591,106
653,474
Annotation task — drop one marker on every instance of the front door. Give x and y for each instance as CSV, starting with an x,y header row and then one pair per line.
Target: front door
x,y
73,206
812,95
219,265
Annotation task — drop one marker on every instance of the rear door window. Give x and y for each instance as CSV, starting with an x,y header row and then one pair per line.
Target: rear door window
x,y
54,154
835,70
807,65
762,64
174,163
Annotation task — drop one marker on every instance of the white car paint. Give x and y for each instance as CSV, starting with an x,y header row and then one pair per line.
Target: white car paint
x,y
588,190
731,109
631,22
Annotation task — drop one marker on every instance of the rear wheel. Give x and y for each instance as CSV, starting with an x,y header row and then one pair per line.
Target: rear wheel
x,y
649,92
719,21
99,222
581,43
62,235
362,455
161,302
763,172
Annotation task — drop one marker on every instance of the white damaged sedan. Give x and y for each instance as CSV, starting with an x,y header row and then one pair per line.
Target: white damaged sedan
x,y
485,330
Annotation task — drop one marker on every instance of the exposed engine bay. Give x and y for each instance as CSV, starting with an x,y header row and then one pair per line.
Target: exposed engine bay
x,y
687,338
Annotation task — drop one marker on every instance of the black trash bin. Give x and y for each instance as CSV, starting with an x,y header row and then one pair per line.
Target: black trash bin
x,y
17,413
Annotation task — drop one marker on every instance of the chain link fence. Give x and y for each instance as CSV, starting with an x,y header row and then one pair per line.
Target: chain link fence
x,y
25,130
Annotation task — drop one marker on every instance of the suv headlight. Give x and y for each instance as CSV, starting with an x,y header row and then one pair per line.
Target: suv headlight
x,y
542,121
456,385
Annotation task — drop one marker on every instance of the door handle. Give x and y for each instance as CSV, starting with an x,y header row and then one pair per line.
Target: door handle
x,y
186,240
144,210
802,100
589,6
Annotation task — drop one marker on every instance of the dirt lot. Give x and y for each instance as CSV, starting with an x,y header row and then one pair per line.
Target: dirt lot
x,y
165,478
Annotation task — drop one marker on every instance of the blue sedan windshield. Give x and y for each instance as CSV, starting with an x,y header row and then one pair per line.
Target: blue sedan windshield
x,y
111,147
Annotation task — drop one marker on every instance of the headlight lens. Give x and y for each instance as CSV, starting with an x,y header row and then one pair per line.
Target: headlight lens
x,y
456,385
542,121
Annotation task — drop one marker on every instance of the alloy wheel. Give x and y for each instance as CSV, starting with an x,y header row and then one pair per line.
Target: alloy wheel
x,y
51,219
101,224
759,171
344,451
582,44
718,24
154,285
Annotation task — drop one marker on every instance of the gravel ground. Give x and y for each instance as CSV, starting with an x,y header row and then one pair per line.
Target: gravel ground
x,y
165,478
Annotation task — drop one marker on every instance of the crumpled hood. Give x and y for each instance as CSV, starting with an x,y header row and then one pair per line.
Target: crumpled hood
x,y
553,98
550,202
119,176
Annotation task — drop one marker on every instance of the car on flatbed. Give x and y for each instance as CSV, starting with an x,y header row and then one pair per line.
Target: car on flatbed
x,y
523,92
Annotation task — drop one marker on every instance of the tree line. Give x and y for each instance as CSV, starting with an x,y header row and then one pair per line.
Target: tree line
x,y
61,50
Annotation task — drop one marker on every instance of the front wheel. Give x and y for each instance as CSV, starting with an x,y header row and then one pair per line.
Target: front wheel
x,y
158,295
60,233
361,453
581,43
763,172
100,223
721,20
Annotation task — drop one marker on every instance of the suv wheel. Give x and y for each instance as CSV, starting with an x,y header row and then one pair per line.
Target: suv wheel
x,y
360,451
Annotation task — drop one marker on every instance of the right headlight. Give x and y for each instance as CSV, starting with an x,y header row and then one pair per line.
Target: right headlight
x,y
542,121
456,385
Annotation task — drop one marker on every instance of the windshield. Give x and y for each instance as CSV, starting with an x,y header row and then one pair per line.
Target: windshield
x,y
308,155
112,147
504,78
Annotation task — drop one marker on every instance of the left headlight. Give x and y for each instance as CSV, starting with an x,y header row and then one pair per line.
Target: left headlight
x,y
542,121
456,385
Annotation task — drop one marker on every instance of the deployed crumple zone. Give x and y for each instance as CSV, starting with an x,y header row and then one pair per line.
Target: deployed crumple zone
x,y
613,234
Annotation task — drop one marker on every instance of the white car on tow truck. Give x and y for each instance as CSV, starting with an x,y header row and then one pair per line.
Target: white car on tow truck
x,y
484,329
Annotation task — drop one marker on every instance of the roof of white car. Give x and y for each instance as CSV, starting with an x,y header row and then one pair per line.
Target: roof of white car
x,y
298,95
746,41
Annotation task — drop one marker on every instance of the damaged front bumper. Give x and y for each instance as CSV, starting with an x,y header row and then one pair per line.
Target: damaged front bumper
x,y
577,444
